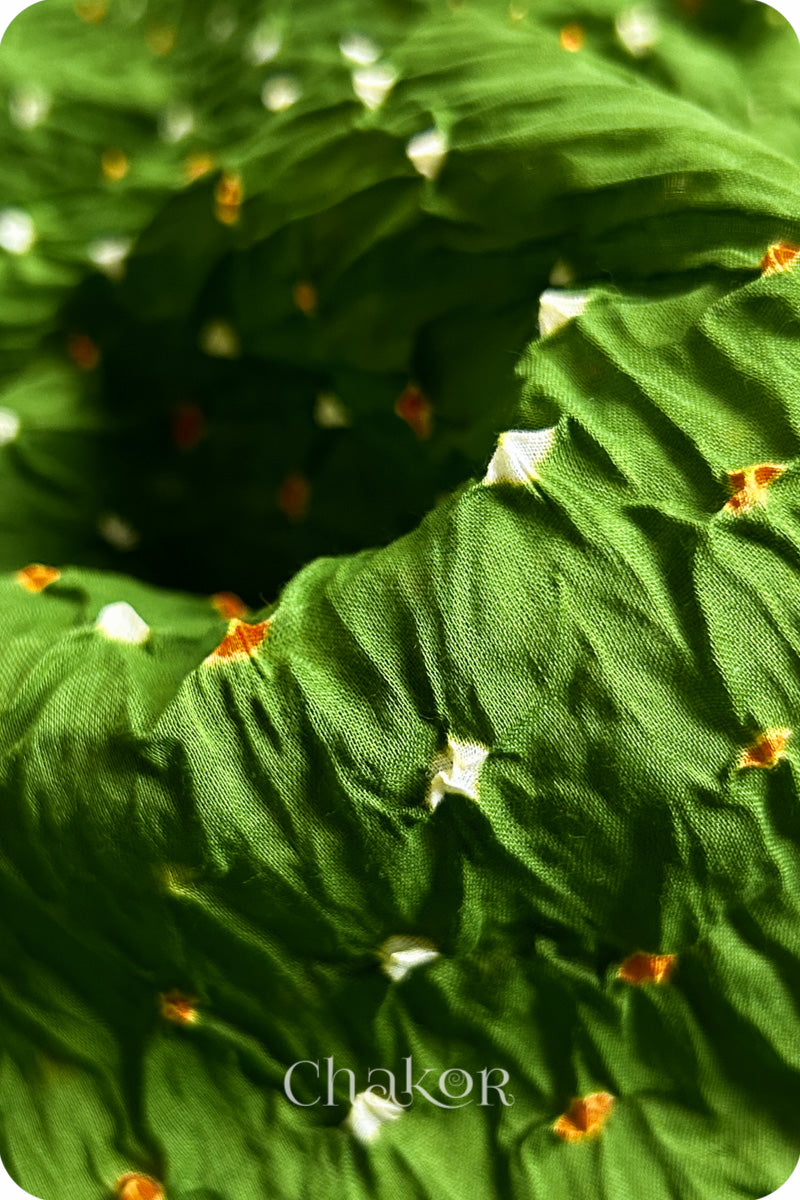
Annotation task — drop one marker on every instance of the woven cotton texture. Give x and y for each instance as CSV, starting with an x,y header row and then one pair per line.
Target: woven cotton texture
x,y
400,551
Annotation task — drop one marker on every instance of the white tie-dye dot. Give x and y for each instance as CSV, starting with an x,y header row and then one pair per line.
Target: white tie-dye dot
x,y
262,46
280,93
109,254
370,1112
9,426
175,123
638,29
402,953
121,623
427,151
557,308
456,771
360,49
29,106
373,84
17,232
329,412
562,274
518,453
221,24
118,532
220,340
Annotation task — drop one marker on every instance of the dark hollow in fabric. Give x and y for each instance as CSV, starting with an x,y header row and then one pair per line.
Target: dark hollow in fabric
x,y
399,593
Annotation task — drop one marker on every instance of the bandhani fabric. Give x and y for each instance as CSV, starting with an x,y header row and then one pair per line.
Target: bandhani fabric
x,y
399,593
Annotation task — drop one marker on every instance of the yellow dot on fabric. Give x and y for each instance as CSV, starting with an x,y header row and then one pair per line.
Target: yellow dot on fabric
x,y
641,968
572,37
114,164
135,1186
91,11
779,258
749,485
37,576
585,1117
177,1007
198,165
161,38
766,751
304,295
241,640
229,605
228,196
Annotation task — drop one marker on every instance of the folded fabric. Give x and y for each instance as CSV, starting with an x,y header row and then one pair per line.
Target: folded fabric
x,y
400,536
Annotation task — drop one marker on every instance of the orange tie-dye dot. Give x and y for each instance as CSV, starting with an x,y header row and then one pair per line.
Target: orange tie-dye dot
x,y
160,38
228,196
767,750
83,351
414,407
188,426
585,1117
198,165
37,576
241,639
91,11
229,605
304,295
114,164
294,496
647,968
138,1187
780,257
177,1007
749,485
572,37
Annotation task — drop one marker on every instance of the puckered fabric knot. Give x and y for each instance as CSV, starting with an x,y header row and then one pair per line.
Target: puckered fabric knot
x,y
36,576
369,1113
518,454
414,407
177,1007
229,605
559,306
403,953
456,771
119,622
642,968
767,750
241,640
749,485
584,1117
134,1186
779,258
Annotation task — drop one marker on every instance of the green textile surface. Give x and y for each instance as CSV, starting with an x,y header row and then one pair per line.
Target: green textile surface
x,y
523,698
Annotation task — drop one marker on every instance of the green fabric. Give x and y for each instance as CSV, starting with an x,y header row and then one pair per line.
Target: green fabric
x,y
249,830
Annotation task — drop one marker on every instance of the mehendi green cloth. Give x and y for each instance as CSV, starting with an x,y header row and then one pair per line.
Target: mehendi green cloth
x,y
400,550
